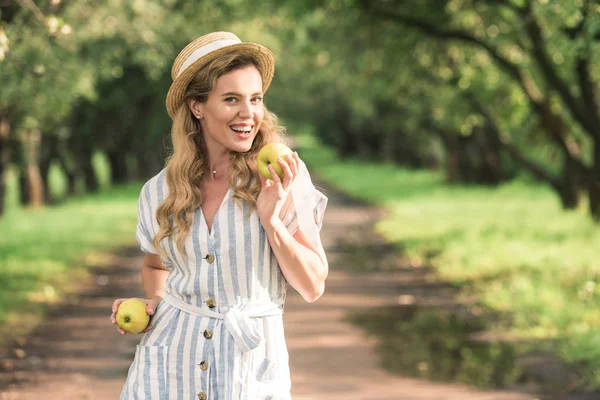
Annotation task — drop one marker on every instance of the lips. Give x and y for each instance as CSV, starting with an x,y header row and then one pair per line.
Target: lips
x,y
242,128
243,132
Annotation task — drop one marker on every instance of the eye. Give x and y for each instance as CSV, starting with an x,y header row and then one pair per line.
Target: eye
x,y
257,99
230,99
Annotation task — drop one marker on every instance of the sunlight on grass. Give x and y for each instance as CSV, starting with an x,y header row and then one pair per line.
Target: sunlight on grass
x,y
43,252
513,246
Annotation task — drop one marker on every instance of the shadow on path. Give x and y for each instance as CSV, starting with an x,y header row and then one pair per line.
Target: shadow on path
x,y
78,354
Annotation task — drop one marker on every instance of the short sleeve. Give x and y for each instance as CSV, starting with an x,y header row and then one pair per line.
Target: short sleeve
x,y
318,204
144,223
305,207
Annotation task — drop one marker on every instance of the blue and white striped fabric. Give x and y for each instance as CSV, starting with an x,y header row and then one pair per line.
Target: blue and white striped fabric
x,y
244,273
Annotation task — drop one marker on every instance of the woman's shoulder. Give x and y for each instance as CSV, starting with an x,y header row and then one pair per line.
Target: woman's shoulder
x,y
156,186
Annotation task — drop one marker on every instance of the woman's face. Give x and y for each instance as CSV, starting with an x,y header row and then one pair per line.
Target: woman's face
x,y
233,112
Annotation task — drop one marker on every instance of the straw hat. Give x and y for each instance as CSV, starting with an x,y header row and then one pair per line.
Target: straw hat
x,y
205,49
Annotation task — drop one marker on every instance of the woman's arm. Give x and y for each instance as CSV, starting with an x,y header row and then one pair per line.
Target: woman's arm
x,y
154,277
304,266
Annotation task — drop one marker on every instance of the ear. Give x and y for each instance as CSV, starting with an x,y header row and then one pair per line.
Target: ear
x,y
196,108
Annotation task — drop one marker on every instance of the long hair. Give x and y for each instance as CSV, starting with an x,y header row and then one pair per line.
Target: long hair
x,y
186,165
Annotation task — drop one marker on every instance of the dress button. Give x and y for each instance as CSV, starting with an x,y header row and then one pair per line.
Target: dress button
x,y
210,258
203,365
208,334
202,396
211,303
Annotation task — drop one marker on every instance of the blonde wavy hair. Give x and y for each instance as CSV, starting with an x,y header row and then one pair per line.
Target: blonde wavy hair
x,y
186,165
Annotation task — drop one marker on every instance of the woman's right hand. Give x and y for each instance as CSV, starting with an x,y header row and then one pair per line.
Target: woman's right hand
x,y
151,305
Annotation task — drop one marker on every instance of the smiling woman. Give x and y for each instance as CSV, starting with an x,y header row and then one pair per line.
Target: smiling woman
x,y
222,241
234,106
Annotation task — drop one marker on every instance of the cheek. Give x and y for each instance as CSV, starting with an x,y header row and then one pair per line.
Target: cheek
x,y
259,115
220,115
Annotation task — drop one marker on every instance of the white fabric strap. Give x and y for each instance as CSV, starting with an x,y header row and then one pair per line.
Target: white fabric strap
x,y
236,319
204,50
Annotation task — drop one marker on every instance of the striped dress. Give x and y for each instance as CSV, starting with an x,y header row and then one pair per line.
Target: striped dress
x,y
218,334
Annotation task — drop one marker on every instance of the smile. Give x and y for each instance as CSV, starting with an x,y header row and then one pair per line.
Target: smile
x,y
242,129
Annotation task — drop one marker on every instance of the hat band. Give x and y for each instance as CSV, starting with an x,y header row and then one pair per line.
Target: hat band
x,y
204,50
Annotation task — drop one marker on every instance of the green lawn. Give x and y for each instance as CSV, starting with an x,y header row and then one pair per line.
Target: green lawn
x,y
45,252
513,246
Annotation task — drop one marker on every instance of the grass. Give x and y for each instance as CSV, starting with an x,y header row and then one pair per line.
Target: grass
x,y
44,253
513,247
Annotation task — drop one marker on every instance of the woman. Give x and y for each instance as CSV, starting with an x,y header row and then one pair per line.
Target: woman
x,y
221,241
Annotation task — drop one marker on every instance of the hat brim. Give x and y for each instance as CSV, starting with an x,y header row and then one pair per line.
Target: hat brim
x,y
265,58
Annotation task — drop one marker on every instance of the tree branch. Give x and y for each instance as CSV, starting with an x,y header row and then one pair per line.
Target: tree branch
x,y
574,104
587,86
553,123
31,6
505,142
588,93
521,76
505,3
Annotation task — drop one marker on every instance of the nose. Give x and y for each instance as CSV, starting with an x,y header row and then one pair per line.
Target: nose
x,y
246,110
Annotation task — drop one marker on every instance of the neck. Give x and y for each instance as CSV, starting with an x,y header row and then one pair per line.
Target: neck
x,y
218,159
218,170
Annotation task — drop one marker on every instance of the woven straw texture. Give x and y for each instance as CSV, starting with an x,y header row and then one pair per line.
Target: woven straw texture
x,y
262,54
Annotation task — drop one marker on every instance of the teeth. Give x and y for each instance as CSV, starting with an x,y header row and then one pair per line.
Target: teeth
x,y
244,129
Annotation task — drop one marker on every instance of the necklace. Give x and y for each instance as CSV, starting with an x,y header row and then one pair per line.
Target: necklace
x,y
214,171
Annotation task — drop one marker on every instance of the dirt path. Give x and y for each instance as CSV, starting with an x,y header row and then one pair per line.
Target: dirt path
x,y
77,354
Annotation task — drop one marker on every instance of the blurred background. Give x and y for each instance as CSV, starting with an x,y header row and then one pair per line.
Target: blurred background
x,y
475,124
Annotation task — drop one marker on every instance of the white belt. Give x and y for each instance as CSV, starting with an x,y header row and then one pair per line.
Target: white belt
x,y
237,320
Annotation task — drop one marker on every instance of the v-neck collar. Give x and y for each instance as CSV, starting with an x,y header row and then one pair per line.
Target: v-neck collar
x,y
212,229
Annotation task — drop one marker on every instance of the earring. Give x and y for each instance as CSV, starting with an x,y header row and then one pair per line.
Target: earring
x,y
198,117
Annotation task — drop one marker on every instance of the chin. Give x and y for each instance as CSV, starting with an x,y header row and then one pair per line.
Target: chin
x,y
241,147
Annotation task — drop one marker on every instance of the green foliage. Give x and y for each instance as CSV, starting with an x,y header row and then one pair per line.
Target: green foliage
x,y
475,86
498,244
44,254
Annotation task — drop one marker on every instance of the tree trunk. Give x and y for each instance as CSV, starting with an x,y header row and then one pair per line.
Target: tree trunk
x,y
146,165
118,166
594,183
89,174
68,169
23,187
4,157
35,186
571,186
449,141
568,196
49,149
491,168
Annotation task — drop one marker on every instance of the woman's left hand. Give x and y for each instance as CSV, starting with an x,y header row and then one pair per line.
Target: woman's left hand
x,y
274,192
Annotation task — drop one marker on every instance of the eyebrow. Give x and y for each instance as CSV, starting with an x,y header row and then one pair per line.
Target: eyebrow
x,y
239,95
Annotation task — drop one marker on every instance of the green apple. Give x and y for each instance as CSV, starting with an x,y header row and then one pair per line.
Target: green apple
x,y
132,316
269,155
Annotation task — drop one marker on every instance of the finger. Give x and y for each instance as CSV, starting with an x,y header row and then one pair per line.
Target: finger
x,y
274,176
147,328
297,158
263,180
122,332
288,175
151,307
116,304
293,164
